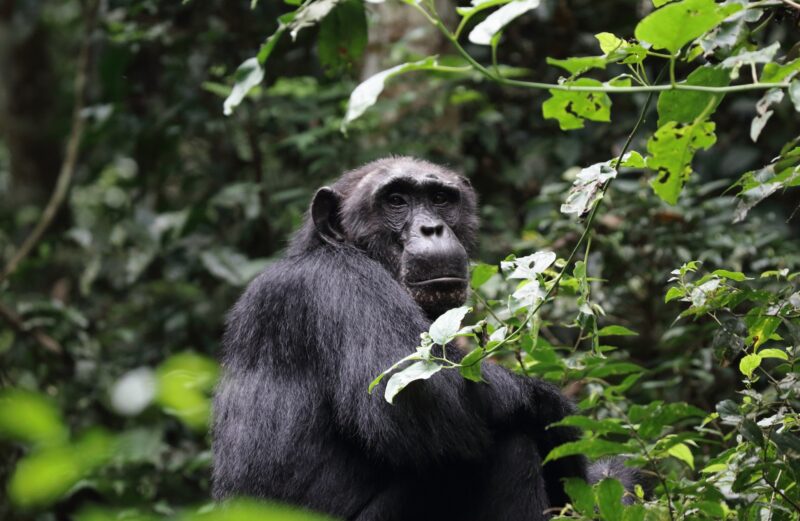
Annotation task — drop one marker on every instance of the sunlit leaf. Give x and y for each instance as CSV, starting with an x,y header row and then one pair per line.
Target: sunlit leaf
x,y
682,452
748,364
587,188
30,417
366,94
46,475
445,328
579,64
483,33
481,274
248,75
185,381
571,108
616,330
672,149
421,370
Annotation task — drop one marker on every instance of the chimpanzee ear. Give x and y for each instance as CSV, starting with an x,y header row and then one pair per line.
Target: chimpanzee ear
x,y
325,213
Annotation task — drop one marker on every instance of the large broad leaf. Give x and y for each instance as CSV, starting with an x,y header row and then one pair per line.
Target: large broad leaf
x,y
677,24
421,370
445,328
686,106
483,33
248,75
609,499
672,149
342,37
366,94
571,108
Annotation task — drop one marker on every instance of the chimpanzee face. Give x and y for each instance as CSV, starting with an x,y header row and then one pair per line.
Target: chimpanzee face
x,y
418,220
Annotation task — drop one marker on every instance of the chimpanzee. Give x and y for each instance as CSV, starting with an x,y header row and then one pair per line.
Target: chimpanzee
x,y
382,252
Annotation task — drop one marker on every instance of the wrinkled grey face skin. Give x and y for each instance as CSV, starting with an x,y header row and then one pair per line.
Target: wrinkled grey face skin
x,y
417,219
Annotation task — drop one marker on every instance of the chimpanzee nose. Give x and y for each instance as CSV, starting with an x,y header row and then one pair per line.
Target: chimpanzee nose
x,y
429,230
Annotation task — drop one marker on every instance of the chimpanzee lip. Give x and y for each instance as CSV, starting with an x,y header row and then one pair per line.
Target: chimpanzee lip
x,y
438,280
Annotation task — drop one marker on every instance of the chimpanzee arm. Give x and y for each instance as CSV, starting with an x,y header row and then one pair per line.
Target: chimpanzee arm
x,y
529,405
364,323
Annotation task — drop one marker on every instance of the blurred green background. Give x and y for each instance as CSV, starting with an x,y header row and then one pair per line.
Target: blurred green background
x,y
174,207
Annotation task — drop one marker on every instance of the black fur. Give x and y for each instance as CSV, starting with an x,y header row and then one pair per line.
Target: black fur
x,y
293,421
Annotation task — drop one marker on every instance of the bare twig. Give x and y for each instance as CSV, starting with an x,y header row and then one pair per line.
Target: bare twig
x,y
71,157
792,4
44,340
62,187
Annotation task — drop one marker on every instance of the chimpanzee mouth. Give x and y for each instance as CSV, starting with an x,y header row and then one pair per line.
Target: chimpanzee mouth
x,y
439,281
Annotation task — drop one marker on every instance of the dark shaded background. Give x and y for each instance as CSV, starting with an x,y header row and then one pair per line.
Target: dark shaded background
x,y
175,206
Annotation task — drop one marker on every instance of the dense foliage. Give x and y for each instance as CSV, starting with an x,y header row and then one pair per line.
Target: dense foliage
x,y
653,271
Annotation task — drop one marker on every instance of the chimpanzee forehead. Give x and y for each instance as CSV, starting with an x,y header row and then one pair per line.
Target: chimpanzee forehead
x,y
412,175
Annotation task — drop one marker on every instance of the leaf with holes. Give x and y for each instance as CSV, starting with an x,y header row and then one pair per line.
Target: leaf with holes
x,y
672,149
571,108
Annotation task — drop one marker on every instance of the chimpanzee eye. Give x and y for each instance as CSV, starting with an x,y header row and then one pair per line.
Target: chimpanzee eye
x,y
440,198
396,200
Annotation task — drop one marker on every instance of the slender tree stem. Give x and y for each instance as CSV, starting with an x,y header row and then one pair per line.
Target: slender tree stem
x,y
608,89
70,159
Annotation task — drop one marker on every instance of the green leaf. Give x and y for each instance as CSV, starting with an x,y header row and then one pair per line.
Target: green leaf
x,y
672,149
579,64
616,331
752,432
598,427
483,33
686,106
610,43
570,109
342,37
481,274
682,452
366,94
471,365
45,476
761,327
580,495
673,293
731,275
248,75
748,364
677,24
591,448
421,370
776,73
773,353
30,417
185,381
445,328
632,159
609,499
268,46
